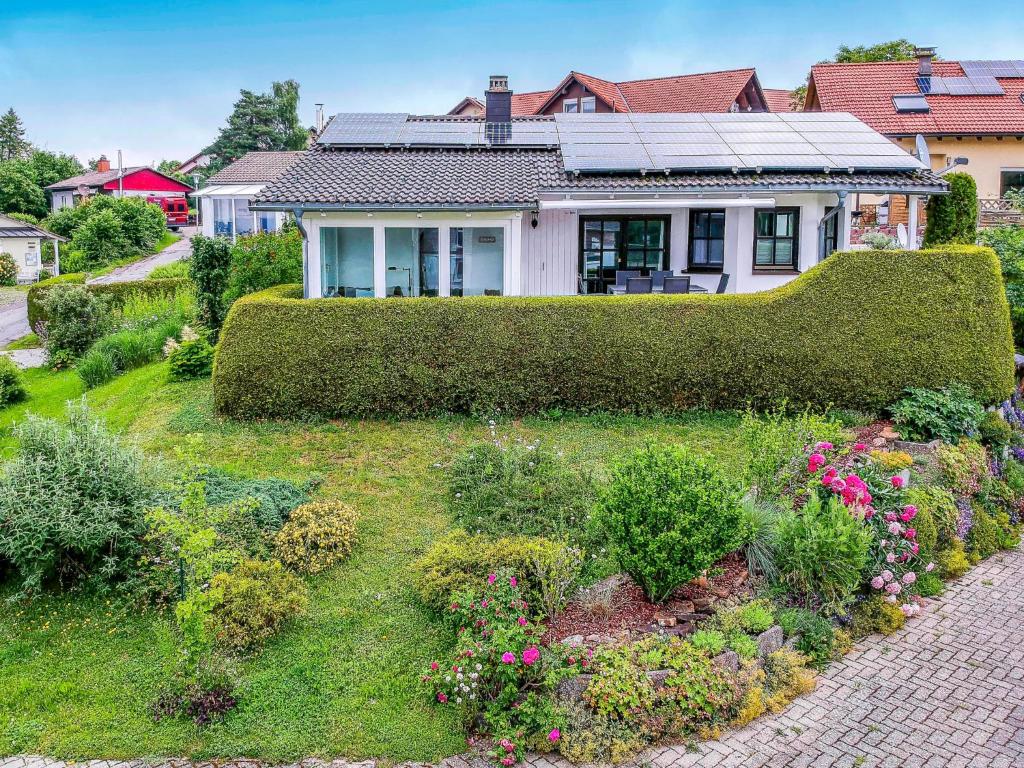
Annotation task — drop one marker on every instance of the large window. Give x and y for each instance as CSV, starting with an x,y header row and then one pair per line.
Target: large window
x,y
223,220
477,258
1011,180
588,104
346,261
831,232
410,258
244,219
613,243
707,240
570,105
776,233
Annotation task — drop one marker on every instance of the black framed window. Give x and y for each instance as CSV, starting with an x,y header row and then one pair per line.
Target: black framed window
x,y
612,243
707,240
831,232
776,238
1011,180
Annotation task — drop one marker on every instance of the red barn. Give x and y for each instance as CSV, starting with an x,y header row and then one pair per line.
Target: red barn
x,y
139,181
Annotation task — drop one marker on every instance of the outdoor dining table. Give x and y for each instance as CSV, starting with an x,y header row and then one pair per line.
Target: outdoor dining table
x,y
620,290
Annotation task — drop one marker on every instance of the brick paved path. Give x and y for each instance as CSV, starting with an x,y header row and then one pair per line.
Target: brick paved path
x,y
947,691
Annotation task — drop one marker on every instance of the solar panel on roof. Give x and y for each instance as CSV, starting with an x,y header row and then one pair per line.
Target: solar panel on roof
x,y
993,68
360,128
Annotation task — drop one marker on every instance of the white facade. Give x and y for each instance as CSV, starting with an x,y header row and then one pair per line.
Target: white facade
x,y
63,198
224,211
27,253
541,260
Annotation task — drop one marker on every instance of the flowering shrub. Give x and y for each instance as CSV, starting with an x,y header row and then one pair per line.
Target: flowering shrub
x,y
963,466
499,673
317,536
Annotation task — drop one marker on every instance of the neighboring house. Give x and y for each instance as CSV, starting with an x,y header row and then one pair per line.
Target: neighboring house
x,y
224,201
24,242
397,205
736,90
779,100
963,109
195,162
137,181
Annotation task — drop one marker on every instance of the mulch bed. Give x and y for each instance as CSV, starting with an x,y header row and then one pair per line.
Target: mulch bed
x,y
626,609
871,435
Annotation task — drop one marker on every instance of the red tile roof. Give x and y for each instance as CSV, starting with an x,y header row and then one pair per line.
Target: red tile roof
x,y
778,99
705,92
866,90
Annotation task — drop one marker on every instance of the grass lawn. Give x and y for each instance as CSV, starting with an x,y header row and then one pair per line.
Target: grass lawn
x,y
166,240
28,341
78,672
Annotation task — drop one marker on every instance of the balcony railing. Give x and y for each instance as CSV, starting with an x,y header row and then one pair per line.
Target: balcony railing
x,y
994,212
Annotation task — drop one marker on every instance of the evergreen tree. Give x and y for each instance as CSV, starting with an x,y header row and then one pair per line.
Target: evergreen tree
x,y
12,137
260,122
953,218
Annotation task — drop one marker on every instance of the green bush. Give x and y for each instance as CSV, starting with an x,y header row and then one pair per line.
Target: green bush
x,y
262,261
984,537
952,561
8,269
823,551
96,367
875,615
948,413
176,269
285,356
501,487
317,536
106,228
994,430
72,502
209,268
671,515
710,641
76,319
116,293
191,359
1008,243
963,466
253,601
12,384
460,561
935,507
817,635
953,218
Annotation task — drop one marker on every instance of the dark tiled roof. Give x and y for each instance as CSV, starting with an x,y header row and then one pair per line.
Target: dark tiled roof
x,y
256,168
92,178
515,178
10,227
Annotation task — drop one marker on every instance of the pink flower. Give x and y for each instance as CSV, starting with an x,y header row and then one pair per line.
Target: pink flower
x,y
442,698
869,512
507,745
910,533
909,577
434,666
886,575
824,445
910,511
893,588
929,568
908,609
484,603
491,578
555,735
530,655
890,558
915,548
521,621
878,582
814,462
859,447
891,599
891,517
512,582
895,529
897,481
508,760
508,657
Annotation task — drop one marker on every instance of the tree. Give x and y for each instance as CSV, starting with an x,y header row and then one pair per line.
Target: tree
x,y
260,122
18,191
953,218
51,167
893,50
170,168
12,137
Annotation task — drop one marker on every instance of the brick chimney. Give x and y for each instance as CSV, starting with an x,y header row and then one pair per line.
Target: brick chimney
x,y
102,165
924,58
499,101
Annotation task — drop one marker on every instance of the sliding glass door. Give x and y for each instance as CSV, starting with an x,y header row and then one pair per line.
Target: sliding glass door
x,y
411,261
612,243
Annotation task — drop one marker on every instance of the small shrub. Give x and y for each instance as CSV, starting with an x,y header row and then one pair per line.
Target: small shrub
x,y
76,319
459,561
952,561
930,585
823,550
97,367
947,414
786,677
500,487
192,359
892,461
8,270
760,524
711,641
817,635
317,536
879,241
263,260
983,540
875,615
275,498
744,645
589,738
994,431
165,271
671,515
208,268
963,466
12,383
253,601
936,518
753,617
953,218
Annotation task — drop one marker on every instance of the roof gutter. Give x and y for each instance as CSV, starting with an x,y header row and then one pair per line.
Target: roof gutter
x,y
880,189
380,208
297,213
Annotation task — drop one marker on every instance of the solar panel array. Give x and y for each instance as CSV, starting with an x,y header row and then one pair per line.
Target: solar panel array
x,y
594,142
972,85
993,68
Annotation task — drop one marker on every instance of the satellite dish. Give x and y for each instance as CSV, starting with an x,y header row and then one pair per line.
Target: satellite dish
x,y
903,236
921,150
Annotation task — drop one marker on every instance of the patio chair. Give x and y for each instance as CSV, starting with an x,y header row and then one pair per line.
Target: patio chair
x,y
722,282
623,275
658,276
677,284
639,285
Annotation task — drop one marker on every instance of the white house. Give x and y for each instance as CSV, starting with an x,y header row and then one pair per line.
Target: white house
x,y
399,205
224,201
24,242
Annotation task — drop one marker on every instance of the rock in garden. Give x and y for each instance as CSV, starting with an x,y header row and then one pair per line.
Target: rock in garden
x,y
658,677
665,619
889,433
572,688
573,641
681,607
770,641
792,642
728,660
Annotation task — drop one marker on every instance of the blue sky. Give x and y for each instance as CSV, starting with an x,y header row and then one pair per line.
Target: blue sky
x,y
157,79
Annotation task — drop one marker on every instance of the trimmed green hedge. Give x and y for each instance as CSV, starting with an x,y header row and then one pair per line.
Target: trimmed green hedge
x,y
117,291
851,332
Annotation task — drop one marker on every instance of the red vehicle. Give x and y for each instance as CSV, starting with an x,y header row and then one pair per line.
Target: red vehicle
x,y
174,208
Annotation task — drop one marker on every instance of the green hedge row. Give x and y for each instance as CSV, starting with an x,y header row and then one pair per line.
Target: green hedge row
x,y
117,291
851,332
